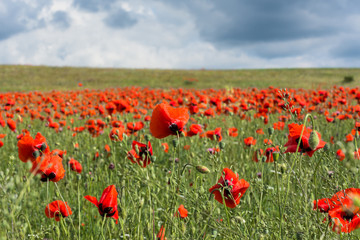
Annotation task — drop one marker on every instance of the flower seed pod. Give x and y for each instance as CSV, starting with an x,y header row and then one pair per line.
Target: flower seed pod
x,y
147,137
314,140
276,156
221,145
326,147
202,169
271,131
175,143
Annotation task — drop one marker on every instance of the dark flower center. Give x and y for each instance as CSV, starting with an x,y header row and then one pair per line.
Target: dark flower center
x,y
348,215
174,128
106,211
44,177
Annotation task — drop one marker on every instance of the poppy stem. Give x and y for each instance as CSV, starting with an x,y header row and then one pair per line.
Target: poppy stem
x,y
67,210
187,164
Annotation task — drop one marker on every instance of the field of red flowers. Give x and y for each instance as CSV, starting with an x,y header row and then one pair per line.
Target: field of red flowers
x,y
140,163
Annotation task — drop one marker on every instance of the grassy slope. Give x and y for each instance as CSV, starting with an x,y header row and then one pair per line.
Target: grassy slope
x,y
29,78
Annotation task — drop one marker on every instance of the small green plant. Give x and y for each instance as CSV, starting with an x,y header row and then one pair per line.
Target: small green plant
x,y
348,79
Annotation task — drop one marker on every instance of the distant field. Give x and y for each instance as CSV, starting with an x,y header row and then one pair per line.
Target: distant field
x,y
29,78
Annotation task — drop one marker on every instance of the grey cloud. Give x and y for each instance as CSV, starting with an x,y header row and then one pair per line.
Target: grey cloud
x,y
120,19
61,19
94,5
18,16
347,49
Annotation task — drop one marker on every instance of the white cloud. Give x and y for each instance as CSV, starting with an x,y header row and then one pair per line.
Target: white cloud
x,y
164,36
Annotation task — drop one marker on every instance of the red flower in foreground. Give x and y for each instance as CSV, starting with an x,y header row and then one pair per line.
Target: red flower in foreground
x,y
107,203
344,215
29,148
140,153
50,167
57,209
166,120
294,138
229,188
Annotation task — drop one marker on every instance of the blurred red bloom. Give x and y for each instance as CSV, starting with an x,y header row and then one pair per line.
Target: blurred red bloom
x,y
340,155
250,141
344,215
75,165
57,209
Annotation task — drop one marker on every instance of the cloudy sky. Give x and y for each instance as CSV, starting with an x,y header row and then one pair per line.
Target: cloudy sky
x,y
191,34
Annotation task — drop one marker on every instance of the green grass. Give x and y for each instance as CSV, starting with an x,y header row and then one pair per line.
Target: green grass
x,y
147,201
41,78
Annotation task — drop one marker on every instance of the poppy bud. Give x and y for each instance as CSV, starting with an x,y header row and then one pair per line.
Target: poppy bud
x,y
36,154
282,168
221,145
270,131
43,147
153,158
326,147
111,166
147,137
202,169
276,156
175,142
357,135
314,140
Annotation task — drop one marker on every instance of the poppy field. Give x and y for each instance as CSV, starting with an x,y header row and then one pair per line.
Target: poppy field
x,y
142,163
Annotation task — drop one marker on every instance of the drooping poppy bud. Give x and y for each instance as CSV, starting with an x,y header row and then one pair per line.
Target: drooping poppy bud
x,y
314,140
202,169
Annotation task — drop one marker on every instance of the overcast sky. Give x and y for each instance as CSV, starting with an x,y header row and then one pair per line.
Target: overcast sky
x,y
192,34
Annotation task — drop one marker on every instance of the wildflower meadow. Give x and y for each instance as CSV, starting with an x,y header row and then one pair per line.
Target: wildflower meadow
x,y
180,163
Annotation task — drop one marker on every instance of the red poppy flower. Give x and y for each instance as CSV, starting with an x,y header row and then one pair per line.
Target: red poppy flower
x,y
349,138
294,136
50,167
58,152
29,148
229,188
161,234
340,155
214,134
166,120
57,209
344,215
116,134
182,212
107,150
11,124
107,203
233,132
194,130
165,146
75,165
250,141
140,153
